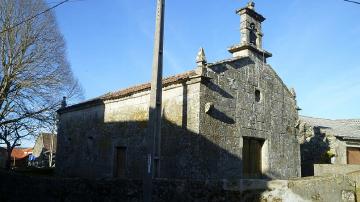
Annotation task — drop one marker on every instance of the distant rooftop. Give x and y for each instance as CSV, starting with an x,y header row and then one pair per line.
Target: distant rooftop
x,y
346,128
20,153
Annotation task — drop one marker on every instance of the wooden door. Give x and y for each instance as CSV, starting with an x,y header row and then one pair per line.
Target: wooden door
x,y
353,155
252,157
120,159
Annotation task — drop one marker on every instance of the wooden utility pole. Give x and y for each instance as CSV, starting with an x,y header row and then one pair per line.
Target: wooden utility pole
x,y
154,125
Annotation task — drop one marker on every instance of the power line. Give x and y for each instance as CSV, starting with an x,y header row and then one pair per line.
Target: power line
x,y
34,16
70,1
356,2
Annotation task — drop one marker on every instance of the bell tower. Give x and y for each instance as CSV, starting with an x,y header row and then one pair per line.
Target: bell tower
x,y
251,34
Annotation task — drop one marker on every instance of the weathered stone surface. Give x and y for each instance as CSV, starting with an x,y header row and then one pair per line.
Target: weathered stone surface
x,y
337,188
327,188
195,144
330,169
237,114
93,133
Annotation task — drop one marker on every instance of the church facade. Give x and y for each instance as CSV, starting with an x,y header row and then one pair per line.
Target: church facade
x,y
233,118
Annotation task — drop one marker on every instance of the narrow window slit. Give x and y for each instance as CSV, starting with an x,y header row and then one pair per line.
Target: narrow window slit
x,y
257,95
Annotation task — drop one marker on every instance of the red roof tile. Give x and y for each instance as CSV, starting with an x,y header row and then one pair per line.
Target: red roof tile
x,y
129,91
132,90
20,153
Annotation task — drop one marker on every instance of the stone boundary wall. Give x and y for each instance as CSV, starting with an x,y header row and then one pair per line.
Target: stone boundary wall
x,y
15,187
328,169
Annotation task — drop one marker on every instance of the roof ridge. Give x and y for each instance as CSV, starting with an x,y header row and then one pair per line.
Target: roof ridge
x,y
131,90
144,86
317,118
347,120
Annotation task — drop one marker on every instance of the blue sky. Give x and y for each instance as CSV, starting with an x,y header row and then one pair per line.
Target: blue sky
x,y
315,45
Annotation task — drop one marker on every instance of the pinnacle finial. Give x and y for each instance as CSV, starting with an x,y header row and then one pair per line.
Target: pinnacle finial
x,y
201,58
293,92
63,102
251,5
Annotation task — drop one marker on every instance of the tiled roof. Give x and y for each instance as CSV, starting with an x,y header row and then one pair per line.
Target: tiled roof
x,y
130,91
20,153
347,128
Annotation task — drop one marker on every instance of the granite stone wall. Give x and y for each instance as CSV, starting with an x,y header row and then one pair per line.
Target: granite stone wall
x,y
329,169
88,137
204,120
231,90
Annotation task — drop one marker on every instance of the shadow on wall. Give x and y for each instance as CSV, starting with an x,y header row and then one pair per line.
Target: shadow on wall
x,y
221,116
89,147
234,64
184,154
314,151
214,87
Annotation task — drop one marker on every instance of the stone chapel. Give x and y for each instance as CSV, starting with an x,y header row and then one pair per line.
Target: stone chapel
x,y
228,119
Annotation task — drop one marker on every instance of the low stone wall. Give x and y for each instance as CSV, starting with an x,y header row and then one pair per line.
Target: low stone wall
x,y
14,187
327,188
326,169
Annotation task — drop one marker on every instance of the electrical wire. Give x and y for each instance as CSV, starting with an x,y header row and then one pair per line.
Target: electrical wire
x,y
70,1
355,2
34,16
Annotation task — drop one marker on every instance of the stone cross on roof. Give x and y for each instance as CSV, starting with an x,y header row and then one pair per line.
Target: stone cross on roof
x,y
251,5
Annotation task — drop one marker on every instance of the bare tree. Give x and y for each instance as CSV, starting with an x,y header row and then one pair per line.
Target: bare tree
x,y
12,134
34,72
